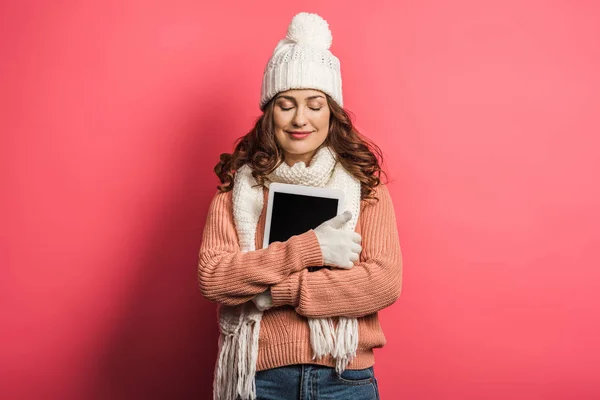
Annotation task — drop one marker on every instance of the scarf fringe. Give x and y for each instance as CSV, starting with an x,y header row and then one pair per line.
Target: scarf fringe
x,y
346,343
340,342
322,337
236,365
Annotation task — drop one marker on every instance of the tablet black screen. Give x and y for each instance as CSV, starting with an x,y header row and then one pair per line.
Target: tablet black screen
x,y
294,214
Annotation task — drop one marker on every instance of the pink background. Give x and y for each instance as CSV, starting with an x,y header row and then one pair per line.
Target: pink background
x,y
114,113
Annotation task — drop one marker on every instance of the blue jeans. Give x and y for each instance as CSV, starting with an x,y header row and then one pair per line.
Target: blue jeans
x,y
315,382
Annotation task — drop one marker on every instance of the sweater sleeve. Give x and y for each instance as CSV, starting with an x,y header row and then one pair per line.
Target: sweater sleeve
x,y
230,277
371,285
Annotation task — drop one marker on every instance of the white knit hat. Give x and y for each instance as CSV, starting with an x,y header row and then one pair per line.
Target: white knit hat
x,y
303,61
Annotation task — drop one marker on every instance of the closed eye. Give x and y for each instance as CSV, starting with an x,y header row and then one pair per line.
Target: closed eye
x,y
290,108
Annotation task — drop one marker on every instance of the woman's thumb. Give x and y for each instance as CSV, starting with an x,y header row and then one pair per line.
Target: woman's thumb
x,y
339,221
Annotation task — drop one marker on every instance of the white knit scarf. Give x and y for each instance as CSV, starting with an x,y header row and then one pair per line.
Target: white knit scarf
x,y
240,326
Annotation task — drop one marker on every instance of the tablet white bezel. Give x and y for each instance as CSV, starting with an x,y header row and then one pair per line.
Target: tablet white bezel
x,y
276,187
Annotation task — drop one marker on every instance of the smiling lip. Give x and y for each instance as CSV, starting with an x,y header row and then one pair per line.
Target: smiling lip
x,y
299,134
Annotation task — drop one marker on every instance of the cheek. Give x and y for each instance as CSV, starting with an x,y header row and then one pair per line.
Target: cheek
x,y
280,121
277,122
323,122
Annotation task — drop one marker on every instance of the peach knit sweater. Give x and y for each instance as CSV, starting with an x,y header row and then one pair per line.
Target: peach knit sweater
x,y
230,277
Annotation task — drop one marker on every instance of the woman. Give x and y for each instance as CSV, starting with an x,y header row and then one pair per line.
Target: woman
x,y
287,331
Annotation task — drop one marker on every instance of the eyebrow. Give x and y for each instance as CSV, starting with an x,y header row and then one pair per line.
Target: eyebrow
x,y
291,98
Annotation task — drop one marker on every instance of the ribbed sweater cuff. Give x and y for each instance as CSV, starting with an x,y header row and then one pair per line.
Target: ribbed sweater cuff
x,y
310,250
287,292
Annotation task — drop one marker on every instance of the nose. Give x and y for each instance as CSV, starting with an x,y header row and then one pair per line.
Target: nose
x,y
299,119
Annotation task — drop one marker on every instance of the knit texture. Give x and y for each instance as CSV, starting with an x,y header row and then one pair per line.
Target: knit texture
x,y
302,60
231,277
240,325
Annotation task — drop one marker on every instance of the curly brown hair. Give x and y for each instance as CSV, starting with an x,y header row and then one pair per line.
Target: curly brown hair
x,y
258,148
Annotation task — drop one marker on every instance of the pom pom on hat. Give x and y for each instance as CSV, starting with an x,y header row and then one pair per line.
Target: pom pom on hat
x,y
310,30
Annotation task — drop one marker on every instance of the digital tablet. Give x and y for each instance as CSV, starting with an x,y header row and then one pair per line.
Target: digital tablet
x,y
295,209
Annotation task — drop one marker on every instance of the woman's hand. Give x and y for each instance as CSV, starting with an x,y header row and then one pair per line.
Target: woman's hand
x,y
340,248
263,301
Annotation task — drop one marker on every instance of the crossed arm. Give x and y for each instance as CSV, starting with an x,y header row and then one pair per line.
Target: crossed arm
x,y
230,277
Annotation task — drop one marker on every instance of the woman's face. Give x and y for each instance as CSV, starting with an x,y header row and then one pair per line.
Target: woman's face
x,y
301,119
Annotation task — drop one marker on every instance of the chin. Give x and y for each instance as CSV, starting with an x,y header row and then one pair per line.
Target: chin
x,y
300,148
301,152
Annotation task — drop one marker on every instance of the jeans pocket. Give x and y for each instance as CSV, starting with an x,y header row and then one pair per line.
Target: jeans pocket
x,y
356,377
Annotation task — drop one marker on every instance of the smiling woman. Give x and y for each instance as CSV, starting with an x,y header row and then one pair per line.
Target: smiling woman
x,y
301,119
285,328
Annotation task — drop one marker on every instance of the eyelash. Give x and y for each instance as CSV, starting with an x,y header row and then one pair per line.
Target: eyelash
x,y
288,109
